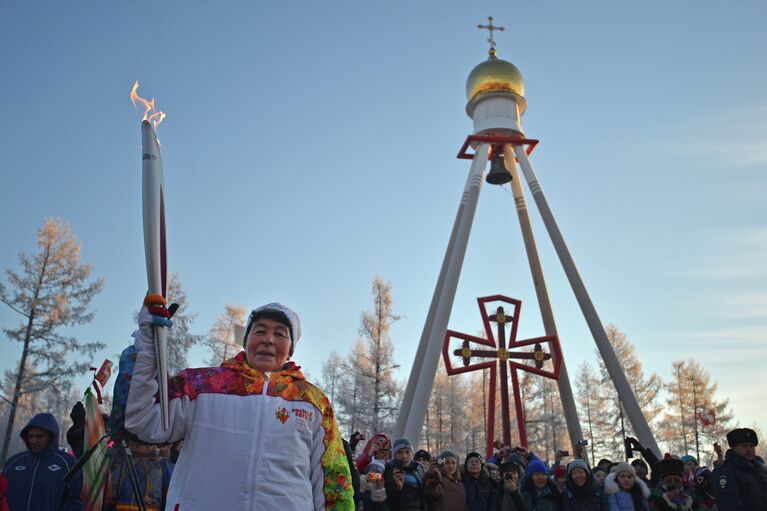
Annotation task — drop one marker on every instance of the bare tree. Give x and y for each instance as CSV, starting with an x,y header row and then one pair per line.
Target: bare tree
x,y
180,339
593,407
333,370
690,391
374,330
221,339
646,390
51,291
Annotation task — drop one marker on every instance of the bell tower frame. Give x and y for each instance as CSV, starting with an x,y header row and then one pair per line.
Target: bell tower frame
x,y
496,105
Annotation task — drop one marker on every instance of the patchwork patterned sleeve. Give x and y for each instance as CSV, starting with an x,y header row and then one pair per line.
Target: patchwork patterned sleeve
x,y
330,474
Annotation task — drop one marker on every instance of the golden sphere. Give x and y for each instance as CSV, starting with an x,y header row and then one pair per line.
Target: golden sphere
x,y
494,75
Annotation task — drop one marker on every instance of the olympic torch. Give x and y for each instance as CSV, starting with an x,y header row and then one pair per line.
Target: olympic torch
x,y
153,198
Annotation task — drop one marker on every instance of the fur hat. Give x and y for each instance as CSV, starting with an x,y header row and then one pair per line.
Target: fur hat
x,y
742,435
623,467
399,444
611,485
668,467
277,312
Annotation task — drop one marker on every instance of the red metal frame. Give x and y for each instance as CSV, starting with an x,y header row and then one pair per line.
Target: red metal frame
x,y
495,141
555,350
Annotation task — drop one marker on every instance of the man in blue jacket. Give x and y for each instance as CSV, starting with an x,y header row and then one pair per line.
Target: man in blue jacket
x,y
36,476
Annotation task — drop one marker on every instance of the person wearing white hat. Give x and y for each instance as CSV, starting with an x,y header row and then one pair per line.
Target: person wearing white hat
x,y
257,435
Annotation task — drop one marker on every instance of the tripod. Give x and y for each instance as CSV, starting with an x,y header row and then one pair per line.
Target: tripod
x,y
120,453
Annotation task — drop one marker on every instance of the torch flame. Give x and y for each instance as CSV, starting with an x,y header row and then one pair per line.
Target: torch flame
x,y
151,113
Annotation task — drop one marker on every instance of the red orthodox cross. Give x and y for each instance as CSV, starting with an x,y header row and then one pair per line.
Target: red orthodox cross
x,y
501,354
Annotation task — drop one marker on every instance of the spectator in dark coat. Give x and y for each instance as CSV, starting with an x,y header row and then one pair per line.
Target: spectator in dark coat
x,y
740,483
582,493
36,476
509,494
403,479
480,495
540,492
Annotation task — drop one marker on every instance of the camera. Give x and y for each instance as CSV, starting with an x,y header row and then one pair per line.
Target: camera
x,y
583,443
440,461
375,476
508,476
563,453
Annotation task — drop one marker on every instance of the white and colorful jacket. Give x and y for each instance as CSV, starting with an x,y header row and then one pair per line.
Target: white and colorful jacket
x,y
253,441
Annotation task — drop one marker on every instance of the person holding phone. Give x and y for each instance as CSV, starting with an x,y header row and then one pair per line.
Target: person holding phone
x,y
510,496
442,484
403,479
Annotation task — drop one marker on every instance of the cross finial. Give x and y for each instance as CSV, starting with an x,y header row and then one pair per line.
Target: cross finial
x,y
490,27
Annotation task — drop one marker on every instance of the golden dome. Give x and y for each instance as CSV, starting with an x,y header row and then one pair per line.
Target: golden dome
x,y
494,75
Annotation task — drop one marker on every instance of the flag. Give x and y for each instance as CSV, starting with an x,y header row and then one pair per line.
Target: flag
x,y
104,373
96,469
707,418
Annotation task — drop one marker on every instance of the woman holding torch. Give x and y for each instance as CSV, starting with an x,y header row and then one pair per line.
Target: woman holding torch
x,y
257,435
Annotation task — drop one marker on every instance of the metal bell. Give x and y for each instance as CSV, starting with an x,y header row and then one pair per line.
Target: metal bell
x,y
498,174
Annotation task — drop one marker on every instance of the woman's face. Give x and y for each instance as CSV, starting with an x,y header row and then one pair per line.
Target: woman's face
x,y
690,467
382,453
449,466
625,480
641,470
539,479
578,476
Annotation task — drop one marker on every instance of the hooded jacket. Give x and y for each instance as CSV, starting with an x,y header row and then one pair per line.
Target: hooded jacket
x,y
621,500
36,481
254,440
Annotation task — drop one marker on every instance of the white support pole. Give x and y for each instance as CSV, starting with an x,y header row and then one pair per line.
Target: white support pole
x,y
542,293
407,399
625,394
428,369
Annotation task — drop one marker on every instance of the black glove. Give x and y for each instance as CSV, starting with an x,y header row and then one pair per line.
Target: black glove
x,y
78,415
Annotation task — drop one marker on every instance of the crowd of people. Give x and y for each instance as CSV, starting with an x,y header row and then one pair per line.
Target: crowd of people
x,y
395,478
254,435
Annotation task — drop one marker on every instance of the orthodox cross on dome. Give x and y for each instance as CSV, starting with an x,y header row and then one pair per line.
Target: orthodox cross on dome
x,y
490,27
496,354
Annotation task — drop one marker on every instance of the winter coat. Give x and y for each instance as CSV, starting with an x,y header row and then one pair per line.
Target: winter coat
x,y
622,500
36,481
480,492
153,475
511,501
590,497
548,498
661,500
740,484
411,497
372,498
444,493
255,440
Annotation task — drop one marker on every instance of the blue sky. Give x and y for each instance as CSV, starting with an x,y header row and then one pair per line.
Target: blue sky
x,y
310,146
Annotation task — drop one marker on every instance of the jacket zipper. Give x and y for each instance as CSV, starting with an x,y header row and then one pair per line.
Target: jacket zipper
x,y
259,433
32,487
